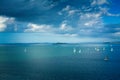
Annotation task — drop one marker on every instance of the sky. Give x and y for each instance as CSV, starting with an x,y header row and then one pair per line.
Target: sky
x,y
70,21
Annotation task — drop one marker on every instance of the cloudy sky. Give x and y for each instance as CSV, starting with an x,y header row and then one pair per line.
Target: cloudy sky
x,y
29,21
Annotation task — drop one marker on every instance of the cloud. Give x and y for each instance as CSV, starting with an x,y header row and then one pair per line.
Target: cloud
x,y
45,11
81,18
38,28
65,27
68,10
71,35
76,24
117,34
88,20
105,11
114,15
91,20
99,2
35,11
90,24
4,22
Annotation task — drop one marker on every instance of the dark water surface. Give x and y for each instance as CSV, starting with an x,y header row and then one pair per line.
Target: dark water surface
x,y
59,62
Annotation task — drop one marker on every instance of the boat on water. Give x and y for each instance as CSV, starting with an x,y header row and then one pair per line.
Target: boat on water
x,y
79,51
111,50
103,48
97,49
74,50
106,58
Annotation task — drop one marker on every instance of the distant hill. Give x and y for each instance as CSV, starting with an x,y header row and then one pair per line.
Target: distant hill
x,y
112,42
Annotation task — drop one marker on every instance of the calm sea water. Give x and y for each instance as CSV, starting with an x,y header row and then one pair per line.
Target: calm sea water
x,y
60,62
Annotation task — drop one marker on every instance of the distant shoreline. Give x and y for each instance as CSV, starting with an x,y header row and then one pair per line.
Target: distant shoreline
x,y
59,43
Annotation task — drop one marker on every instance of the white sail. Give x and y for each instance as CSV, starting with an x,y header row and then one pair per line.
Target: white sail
x,y
79,51
74,50
103,48
97,49
111,49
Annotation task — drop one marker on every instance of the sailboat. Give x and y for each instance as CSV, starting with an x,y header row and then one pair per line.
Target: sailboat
x,y
103,48
97,49
111,49
79,51
106,58
74,50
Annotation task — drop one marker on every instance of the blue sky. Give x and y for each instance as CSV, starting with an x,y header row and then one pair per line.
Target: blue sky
x,y
30,21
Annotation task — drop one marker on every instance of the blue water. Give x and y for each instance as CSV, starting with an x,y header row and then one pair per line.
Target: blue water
x,y
59,62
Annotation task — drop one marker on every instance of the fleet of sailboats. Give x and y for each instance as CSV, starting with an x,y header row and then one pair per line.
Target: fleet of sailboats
x,y
106,58
75,50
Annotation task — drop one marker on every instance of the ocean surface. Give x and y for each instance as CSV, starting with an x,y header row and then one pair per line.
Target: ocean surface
x,y
60,62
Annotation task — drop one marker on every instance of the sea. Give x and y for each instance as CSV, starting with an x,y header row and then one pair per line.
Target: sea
x,y
60,61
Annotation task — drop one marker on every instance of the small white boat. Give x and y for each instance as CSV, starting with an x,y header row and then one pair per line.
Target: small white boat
x,y
111,49
97,49
74,50
79,51
103,49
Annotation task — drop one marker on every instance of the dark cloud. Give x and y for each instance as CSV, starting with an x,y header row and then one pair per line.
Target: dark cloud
x,y
37,11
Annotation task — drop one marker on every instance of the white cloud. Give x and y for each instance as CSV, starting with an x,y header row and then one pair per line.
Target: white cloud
x,y
105,11
110,14
68,10
90,20
117,34
91,23
99,2
38,28
85,22
4,21
65,27
72,12
2,27
71,35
